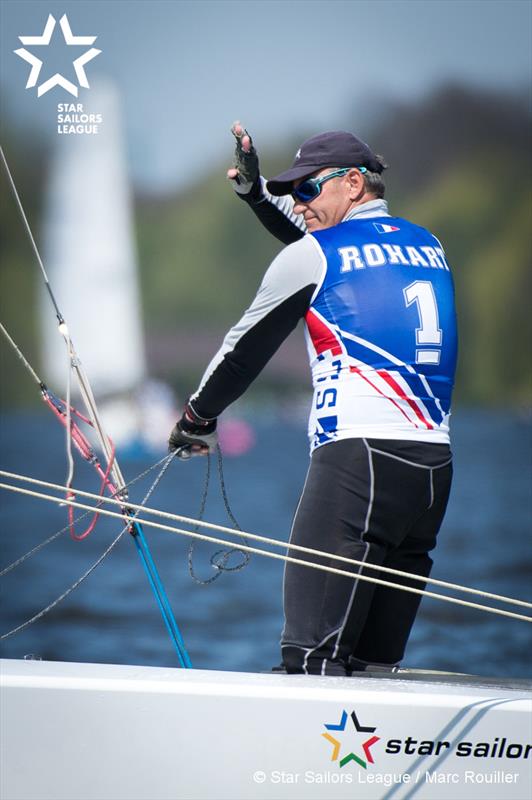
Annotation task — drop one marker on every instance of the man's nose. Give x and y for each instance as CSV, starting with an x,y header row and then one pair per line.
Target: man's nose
x,y
299,207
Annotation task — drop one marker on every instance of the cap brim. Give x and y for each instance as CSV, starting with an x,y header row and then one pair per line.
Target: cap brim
x,y
284,183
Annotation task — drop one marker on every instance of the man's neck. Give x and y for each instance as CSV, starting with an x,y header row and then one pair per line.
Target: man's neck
x,y
372,207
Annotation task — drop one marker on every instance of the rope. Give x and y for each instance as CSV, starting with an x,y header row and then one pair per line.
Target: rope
x,y
107,447
75,363
68,426
220,558
274,542
86,574
232,519
77,519
289,559
98,561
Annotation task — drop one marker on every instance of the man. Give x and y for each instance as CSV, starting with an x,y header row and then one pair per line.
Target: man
x,y
377,298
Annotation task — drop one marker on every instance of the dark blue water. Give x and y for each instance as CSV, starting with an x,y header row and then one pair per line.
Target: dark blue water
x,y
235,622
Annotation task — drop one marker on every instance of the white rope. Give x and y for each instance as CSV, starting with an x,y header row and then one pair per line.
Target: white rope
x,y
93,414
277,556
273,542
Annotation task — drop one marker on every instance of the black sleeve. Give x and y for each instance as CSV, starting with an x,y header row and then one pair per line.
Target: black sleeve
x,y
274,219
283,298
240,366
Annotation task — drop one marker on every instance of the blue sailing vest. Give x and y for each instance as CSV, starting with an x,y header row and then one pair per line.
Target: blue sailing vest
x,y
381,334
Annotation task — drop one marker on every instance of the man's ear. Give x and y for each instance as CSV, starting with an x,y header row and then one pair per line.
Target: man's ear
x,y
356,183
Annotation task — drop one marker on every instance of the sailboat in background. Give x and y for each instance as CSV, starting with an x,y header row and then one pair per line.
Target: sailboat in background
x,y
89,247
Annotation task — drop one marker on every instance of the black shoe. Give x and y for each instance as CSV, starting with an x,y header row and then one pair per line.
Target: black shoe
x,y
357,667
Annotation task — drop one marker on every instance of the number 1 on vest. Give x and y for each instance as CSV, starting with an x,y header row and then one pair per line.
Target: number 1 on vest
x,y
422,294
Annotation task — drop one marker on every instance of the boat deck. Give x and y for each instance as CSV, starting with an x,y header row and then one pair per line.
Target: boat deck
x,y
107,732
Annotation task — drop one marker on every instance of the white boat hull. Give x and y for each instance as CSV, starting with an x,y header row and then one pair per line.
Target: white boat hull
x,y
102,732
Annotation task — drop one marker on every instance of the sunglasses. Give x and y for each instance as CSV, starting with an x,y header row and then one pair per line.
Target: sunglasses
x,y
311,187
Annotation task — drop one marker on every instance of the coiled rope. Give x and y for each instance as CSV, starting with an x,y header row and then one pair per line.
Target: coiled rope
x,y
219,559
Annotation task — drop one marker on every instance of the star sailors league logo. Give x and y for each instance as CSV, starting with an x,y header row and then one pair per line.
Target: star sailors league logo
x,y
78,63
344,738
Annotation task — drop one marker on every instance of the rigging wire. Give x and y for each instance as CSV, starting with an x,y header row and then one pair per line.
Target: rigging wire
x,y
107,447
75,363
68,431
218,560
126,528
22,357
270,541
68,591
63,410
281,557
77,519
58,314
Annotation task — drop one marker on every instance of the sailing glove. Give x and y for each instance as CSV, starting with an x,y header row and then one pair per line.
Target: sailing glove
x,y
245,173
193,435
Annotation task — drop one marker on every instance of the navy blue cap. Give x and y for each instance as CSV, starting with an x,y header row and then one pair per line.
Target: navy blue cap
x,y
329,149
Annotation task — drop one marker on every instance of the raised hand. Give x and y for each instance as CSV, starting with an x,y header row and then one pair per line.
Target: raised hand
x,y
245,173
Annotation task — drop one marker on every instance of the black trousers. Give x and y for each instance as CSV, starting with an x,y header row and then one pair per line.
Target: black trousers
x,y
380,502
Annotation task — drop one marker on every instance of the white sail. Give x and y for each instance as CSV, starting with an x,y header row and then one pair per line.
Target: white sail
x,y
90,256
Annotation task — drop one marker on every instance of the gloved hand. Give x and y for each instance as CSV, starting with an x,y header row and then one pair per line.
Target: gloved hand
x,y
245,173
192,435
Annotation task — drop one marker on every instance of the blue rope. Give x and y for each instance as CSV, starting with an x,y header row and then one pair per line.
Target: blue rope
x,y
160,595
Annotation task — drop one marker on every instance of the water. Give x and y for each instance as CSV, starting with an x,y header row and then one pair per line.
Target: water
x,y
234,623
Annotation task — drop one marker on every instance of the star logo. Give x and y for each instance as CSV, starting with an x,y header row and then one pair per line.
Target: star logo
x,y
36,63
339,744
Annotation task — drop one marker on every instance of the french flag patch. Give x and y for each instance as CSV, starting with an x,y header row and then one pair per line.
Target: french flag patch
x,y
381,228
